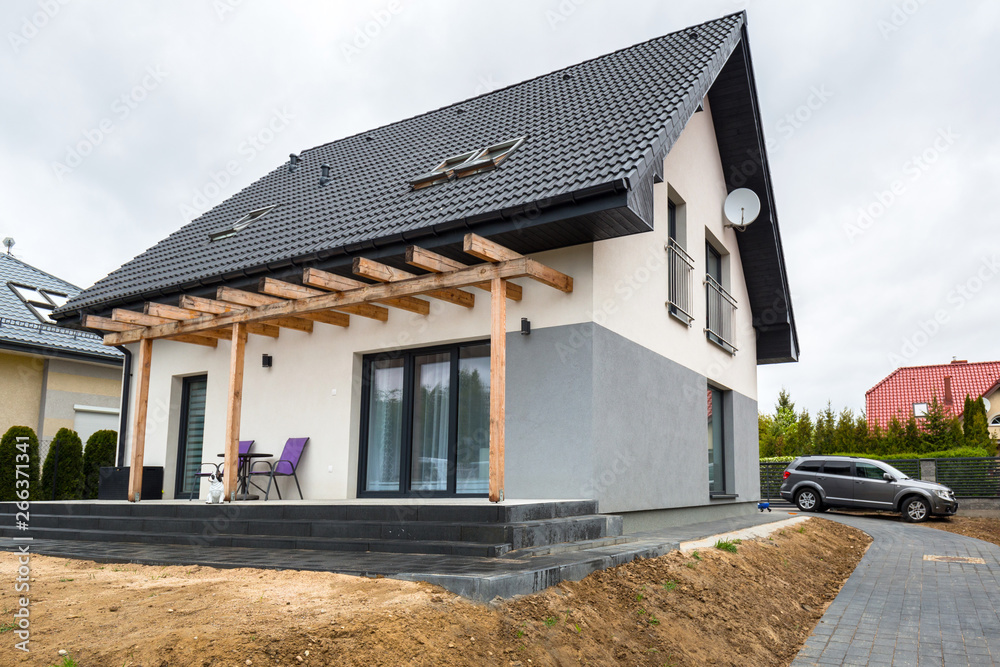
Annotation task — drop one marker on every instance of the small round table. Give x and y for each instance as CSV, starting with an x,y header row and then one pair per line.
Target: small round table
x,y
243,473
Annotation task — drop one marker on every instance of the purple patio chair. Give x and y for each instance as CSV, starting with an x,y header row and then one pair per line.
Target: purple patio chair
x,y
284,466
244,448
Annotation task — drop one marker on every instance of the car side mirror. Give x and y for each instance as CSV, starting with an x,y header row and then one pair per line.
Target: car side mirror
x,y
888,477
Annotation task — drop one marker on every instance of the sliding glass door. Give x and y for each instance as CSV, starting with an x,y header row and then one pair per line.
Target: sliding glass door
x,y
425,422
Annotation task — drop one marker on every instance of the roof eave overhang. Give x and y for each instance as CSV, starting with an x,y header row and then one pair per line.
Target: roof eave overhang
x,y
742,149
58,353
600,212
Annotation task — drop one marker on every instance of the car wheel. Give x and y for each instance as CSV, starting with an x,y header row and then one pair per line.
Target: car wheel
x,y
808,500
915,509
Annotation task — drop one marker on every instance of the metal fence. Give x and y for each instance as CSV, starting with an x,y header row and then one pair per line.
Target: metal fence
x,y
967,477
970,478
681,267
721,312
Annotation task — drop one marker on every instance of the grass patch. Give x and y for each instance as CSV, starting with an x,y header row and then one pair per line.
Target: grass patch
x,y
726,545
670,585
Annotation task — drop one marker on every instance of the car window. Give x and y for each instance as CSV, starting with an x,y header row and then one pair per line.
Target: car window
x,y
809,466
868,471
837,468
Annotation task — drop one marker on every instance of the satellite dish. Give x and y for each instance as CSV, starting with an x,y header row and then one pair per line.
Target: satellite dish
x,y
741,208
986,403
8,243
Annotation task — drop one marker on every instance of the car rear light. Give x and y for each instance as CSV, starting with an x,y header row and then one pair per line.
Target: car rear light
x,y
785,475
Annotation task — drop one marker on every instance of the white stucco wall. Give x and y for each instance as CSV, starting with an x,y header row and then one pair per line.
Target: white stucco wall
x,y
630,299
313,388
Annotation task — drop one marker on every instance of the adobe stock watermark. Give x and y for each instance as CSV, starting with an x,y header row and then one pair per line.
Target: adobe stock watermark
x,y
365,33
562,12
958,297
219,181
223,8
22,584
32,24
794,120
913,170
121,109
899,16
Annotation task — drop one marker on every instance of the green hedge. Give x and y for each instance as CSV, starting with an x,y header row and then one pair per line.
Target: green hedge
x,y
960,452
69,477
9,461
100,451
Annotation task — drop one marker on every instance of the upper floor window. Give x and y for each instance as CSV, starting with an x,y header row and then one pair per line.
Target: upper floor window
x,y
680,268
920,410
720,305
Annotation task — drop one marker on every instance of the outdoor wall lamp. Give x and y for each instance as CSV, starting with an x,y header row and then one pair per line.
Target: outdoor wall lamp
x,y
266,360
525,326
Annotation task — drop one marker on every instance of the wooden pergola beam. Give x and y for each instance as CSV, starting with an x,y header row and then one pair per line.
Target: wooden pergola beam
x,y
498,386
239,300
435,263
234,408
487,250
383,273
109,324
518,268
331,282
198,305
142,367
254,299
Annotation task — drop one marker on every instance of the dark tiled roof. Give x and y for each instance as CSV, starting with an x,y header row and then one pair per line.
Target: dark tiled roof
x,y
895,395
21,329
591,124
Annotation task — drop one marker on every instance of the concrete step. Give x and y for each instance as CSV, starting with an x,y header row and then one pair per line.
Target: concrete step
x,y
457,548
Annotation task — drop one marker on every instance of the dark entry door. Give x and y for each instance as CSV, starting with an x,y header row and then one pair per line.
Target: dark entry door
x,y
191,436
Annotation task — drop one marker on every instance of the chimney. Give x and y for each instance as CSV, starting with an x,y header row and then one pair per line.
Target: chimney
x,y
324,174
959,361
293,162
947,389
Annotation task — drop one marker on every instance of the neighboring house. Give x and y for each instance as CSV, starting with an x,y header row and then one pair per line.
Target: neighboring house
x,y
636,385
50,376
908,392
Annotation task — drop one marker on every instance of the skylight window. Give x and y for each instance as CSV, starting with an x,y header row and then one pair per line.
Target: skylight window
x,y
468,164
41,302
242,223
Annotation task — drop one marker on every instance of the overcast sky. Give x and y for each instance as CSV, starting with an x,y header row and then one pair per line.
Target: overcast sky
x,y
119,121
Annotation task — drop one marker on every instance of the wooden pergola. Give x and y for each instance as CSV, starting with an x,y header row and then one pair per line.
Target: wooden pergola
x,y
330,299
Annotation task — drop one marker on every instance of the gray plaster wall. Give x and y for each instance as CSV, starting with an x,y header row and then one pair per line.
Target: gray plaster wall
x,y
591,414
549,439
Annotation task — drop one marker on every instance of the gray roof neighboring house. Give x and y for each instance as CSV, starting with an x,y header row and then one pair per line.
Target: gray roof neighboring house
x,y
22,330
595,136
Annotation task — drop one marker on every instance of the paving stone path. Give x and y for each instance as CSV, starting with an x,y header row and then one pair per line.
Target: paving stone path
x,y
899,609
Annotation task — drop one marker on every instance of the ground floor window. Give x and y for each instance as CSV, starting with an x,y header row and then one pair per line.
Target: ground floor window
x,y
716,442
425,422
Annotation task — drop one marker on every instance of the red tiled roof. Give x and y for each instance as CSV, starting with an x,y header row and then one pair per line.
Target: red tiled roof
x,y
895,395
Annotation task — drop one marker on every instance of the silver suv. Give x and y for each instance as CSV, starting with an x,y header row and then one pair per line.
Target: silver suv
x,y
816,483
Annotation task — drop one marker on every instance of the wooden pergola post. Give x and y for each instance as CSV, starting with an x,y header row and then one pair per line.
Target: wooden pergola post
x,y
139,428
234,408
498,384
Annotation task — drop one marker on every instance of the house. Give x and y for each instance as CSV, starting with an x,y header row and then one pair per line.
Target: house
x,y
51,377
908,392
532,293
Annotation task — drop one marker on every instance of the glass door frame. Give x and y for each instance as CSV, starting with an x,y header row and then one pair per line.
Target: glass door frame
x,y
406,431
182,433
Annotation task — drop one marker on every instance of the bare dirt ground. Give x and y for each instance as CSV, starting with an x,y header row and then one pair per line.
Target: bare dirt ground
x,y
753,607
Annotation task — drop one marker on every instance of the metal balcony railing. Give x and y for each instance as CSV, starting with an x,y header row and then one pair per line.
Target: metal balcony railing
x,y
679,289
721,315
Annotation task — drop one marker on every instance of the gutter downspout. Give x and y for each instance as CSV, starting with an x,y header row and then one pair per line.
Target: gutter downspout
x,y
126,391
